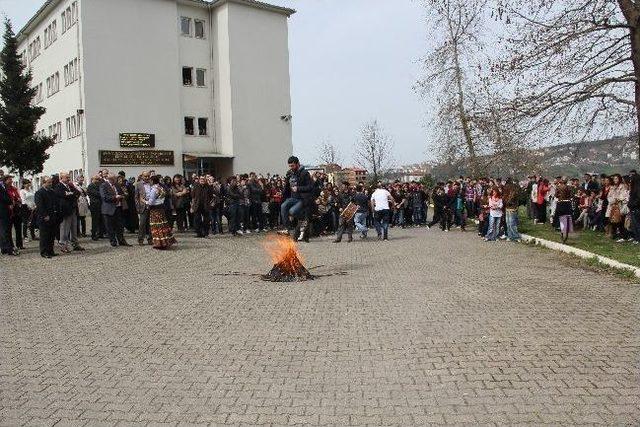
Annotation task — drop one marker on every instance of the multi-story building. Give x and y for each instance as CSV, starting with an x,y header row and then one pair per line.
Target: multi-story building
x,y
171,85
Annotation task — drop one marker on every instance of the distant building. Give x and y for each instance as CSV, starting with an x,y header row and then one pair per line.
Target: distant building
x,y
353,175
178,86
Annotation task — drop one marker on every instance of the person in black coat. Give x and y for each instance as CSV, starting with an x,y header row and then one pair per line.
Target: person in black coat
x,y
439,203
95,207
46,216
6,242
634,206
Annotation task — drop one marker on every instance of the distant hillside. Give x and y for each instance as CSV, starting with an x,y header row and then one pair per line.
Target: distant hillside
x,y
606,156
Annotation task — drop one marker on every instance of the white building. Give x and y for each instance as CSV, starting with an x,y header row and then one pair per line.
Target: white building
x,y
205,83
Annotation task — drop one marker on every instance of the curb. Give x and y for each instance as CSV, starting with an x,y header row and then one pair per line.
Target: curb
x,y
580,253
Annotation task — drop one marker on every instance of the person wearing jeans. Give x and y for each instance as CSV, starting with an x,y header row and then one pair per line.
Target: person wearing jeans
x,y
512,225
298,189
360,218
381,202
495,215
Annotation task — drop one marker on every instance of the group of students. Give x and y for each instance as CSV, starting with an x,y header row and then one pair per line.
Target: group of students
x,y
302,205
605,203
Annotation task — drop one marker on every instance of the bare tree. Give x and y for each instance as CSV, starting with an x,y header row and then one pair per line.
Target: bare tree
x,y
328,153
456,26
373,151
575,65
509,150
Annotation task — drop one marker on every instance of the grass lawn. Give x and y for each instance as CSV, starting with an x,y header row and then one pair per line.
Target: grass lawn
x,y
588,240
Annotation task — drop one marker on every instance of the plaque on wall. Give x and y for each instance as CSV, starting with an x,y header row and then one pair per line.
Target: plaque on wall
x,y
137,140
136,158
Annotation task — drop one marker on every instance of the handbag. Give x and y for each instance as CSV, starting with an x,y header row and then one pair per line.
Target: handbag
x,y
615,216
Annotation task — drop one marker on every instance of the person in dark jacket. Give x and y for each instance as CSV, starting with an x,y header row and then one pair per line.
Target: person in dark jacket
x,y
634,206
298,193
345,225
112,199
201,196
232,197
6,207
256,196
68,196
439,201
95,207
46,214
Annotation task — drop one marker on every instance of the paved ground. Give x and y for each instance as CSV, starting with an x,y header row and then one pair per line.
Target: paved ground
x,y
429,328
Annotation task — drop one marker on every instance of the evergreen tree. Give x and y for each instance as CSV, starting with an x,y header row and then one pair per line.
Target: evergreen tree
x,y
20,150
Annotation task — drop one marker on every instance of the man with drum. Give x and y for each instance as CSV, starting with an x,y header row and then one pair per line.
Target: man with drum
x,y
347,211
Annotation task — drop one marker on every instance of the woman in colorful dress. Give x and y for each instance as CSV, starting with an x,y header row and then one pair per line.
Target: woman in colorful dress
x,y
160,229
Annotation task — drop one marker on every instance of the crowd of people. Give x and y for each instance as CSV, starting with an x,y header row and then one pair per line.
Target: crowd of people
x,y
302,205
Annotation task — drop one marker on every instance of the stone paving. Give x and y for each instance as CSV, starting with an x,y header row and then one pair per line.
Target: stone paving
x,y
428,328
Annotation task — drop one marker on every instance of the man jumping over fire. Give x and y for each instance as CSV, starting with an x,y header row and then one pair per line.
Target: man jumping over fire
x,y
298,194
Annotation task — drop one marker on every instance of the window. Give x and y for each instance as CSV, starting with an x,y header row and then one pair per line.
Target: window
x,y
55,132
188,125
74,12
37,99
74,126
71,72
185,26
202,126
53,31
34,49
50,34
69,17
200,77
53,84
199,29
187,76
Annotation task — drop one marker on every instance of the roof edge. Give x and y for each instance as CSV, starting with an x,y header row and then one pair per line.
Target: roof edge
x,y
35,19
257,4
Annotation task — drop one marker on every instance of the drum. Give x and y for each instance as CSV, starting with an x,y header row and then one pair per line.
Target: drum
x,y
349,212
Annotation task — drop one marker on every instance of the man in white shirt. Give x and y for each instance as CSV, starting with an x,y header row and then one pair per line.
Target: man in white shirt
x,y
381,203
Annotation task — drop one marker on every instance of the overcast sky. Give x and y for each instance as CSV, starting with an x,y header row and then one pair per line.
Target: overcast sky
x,y
351,61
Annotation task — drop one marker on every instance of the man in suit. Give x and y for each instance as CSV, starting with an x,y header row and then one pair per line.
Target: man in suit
x,y
142,190
95,207
68,196
46,211
6,206
112,197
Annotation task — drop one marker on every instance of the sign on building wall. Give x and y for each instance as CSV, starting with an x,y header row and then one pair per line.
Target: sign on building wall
x,y
136,158
137,140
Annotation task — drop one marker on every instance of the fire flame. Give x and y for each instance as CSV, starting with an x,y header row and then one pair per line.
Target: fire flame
x,y
284,252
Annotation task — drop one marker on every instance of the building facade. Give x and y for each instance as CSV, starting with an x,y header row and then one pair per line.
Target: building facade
x,y
171,85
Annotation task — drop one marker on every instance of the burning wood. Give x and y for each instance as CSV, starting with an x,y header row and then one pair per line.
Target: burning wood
x,y
287,260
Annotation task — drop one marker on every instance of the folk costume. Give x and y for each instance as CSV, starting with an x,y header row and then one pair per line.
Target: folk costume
x,y
161,232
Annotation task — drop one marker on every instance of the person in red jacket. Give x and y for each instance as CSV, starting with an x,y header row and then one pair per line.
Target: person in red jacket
x,y
541,203
15,217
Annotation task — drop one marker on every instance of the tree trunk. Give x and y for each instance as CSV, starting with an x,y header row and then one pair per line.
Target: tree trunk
x,y
464,120
632,15
635,56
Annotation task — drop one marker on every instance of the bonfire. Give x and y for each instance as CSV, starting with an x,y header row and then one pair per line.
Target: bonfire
x,y
288,263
